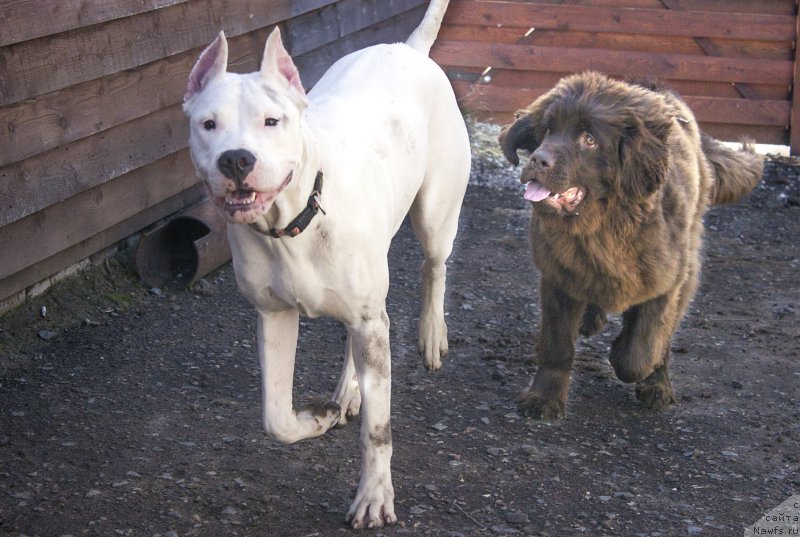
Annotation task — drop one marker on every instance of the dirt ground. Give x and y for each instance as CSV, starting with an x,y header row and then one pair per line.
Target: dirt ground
x,y
134,411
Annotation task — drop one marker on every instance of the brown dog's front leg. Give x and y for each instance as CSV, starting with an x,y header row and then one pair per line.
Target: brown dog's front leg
x,y
641,351
561,314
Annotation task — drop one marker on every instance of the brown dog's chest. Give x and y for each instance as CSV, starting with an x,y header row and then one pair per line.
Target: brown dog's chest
x,y
605,270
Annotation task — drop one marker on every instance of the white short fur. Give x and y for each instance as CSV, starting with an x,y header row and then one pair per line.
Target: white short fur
x,y
384,128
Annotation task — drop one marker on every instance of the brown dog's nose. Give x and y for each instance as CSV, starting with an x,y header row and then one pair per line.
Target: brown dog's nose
x,y
543,158
236,164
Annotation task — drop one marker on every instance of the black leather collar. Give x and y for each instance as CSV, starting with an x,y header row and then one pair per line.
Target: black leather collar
x,y
302,220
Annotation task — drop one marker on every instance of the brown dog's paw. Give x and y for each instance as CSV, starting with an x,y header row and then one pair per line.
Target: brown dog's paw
x,y
654,395
534,405
594,319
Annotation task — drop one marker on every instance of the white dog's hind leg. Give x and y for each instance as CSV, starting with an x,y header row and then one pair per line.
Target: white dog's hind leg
x,y
347,394
434,217
277,342
374,503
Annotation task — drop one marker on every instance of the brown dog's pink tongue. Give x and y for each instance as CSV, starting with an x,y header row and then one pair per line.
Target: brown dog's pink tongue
x,y
535,191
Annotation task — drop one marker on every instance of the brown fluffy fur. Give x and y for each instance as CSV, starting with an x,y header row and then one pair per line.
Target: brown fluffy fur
x,y
632,243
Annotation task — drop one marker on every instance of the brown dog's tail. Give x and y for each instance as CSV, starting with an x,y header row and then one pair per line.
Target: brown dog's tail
x,y
736,172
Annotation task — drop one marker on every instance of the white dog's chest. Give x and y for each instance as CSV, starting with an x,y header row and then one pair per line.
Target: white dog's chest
x,y
274,274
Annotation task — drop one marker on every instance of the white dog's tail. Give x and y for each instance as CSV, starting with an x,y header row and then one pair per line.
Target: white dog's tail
x,y
423,37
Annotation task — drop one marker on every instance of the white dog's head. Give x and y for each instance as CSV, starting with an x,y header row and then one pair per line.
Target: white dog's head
x,y
245,136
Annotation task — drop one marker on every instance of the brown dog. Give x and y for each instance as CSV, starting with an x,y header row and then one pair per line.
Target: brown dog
x,y
620,176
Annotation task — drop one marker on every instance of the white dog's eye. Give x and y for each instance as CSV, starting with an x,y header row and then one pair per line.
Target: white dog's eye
x,y
270,122
209,124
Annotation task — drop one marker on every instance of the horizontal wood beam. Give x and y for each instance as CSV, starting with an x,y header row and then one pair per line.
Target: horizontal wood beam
x,y
27,241
490,97
23,20
622,20
45,268
622,63
53,176
40,66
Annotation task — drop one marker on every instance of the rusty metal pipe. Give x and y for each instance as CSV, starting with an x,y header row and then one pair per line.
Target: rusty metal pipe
x,y
180,252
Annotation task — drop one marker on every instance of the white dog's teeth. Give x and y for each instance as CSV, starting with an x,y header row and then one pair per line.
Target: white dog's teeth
x,y
252,197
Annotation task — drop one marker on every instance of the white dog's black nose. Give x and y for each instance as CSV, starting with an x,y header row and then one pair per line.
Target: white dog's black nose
x,y
236,164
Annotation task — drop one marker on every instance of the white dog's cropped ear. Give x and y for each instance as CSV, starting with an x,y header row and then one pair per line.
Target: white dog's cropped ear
x,y
278,64
212,63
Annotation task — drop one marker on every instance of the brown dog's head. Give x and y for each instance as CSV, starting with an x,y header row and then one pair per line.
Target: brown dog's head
x,y
591,139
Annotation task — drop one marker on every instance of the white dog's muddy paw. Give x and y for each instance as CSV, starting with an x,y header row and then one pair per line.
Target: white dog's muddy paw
x,y
326,414
372,510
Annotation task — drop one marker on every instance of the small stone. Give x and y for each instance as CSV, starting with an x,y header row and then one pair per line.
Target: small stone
x,y
494,451
737,385
517,517
92,493
694,530
156,291
726,453
46,335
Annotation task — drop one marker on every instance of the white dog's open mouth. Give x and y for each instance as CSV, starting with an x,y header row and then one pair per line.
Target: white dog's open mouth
x,y
244,206
567,200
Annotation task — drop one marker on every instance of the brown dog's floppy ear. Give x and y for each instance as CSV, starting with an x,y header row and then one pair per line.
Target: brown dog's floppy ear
x,y
519,135
644,158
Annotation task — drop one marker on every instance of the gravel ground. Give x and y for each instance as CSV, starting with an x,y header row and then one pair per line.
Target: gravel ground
x,y
134,411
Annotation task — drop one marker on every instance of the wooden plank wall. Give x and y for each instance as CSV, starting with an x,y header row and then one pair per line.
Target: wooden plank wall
x,y
92,135
733,60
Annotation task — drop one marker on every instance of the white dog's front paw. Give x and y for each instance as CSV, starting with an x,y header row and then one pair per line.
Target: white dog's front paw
x,y
319,416
432,342
374,504
349,401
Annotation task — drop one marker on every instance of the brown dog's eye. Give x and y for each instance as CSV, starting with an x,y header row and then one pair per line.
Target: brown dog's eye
x,y
588,140
209,125
270,122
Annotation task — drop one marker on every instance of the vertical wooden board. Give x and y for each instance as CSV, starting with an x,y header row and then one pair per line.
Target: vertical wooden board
x,y
794,137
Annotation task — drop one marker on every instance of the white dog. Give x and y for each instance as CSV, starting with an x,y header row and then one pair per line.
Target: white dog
x,y
314,187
